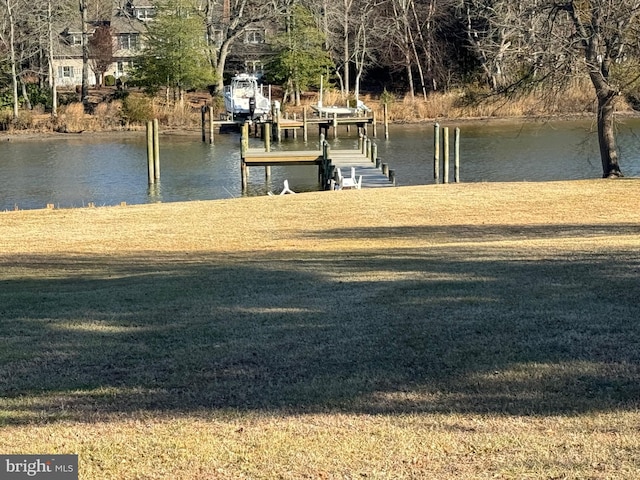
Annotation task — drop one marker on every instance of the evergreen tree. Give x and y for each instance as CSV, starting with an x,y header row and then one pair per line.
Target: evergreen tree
x,y
175,54
300,57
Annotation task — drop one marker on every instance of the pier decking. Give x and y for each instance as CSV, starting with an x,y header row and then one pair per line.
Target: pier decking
x,y
363,160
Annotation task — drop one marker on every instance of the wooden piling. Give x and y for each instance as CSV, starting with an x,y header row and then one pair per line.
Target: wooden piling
x,y
385,170
392,177
150,161
374,152
445,148
385,110
244,146
335,125
266,136
375,125
305,125
211,126
203,111
156,149
456,161
436,153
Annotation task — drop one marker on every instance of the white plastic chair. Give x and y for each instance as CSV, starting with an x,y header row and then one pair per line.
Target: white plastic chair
x,y
348,182
286,188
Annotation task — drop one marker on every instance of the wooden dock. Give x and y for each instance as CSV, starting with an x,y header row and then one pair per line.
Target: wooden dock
x,y
364,160
278,125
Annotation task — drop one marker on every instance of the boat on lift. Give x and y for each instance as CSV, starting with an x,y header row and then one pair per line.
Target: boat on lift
x,y
243,98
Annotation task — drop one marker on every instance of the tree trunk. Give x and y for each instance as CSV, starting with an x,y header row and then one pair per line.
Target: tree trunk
x,y
84,93
606,136
12,51
25,95
52,72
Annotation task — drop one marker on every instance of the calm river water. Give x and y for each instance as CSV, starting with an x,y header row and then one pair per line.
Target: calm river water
x,y
108,169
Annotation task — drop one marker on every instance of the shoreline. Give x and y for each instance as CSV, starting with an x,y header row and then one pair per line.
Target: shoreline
x,y
33,135
524,186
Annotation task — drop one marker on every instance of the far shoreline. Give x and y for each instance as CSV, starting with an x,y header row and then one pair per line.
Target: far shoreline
x,y
137,130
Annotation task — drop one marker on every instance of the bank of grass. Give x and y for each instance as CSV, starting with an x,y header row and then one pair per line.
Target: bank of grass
x,y
461,331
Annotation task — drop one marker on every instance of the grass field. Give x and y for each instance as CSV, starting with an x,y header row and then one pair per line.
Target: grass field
x,y
447,331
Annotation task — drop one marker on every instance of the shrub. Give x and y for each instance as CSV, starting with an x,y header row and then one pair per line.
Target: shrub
x,y
387,97
137,109
6,118
24,120
71,119
109,81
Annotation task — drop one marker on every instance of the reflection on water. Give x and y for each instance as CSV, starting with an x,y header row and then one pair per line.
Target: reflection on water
x,y
108,169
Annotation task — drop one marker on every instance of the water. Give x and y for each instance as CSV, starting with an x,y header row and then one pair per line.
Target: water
x,y
106,169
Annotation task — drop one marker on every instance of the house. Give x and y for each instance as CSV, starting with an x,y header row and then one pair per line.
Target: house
x,y
127,24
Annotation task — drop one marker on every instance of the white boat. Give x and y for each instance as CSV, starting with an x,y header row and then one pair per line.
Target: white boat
x,y
243,98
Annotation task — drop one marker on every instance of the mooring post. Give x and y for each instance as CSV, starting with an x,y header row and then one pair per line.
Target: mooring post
x,y
456,161
335,125
266,137
385,110
374,152
203,111
156,149
150,161
295,128
244,146
305,125
436,152
211,125
392,177
445,148
385,170
375,124
278,130
369,148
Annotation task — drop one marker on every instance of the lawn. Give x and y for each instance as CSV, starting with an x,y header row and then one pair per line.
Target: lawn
x,y
447,331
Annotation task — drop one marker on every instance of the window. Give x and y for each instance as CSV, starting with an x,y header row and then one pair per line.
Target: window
x,y
65,71
216,38
253,66
254,36
128,41
144,13
124,66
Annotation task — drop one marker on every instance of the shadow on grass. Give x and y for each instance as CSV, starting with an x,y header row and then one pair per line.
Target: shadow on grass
x,y
455,329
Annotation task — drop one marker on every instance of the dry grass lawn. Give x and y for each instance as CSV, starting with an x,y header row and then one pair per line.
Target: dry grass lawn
x,y
462,331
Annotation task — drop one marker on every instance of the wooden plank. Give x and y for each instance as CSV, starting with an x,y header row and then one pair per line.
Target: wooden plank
x,y
287,157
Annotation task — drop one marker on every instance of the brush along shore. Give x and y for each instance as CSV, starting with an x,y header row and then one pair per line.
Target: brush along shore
x,y
485,330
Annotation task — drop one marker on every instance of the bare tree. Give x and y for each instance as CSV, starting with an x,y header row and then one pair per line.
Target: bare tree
x,y
101,47
12,9
228,21
84,93
522,44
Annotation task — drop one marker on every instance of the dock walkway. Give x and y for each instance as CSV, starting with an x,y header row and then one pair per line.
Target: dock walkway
x,y
364,161
372,176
